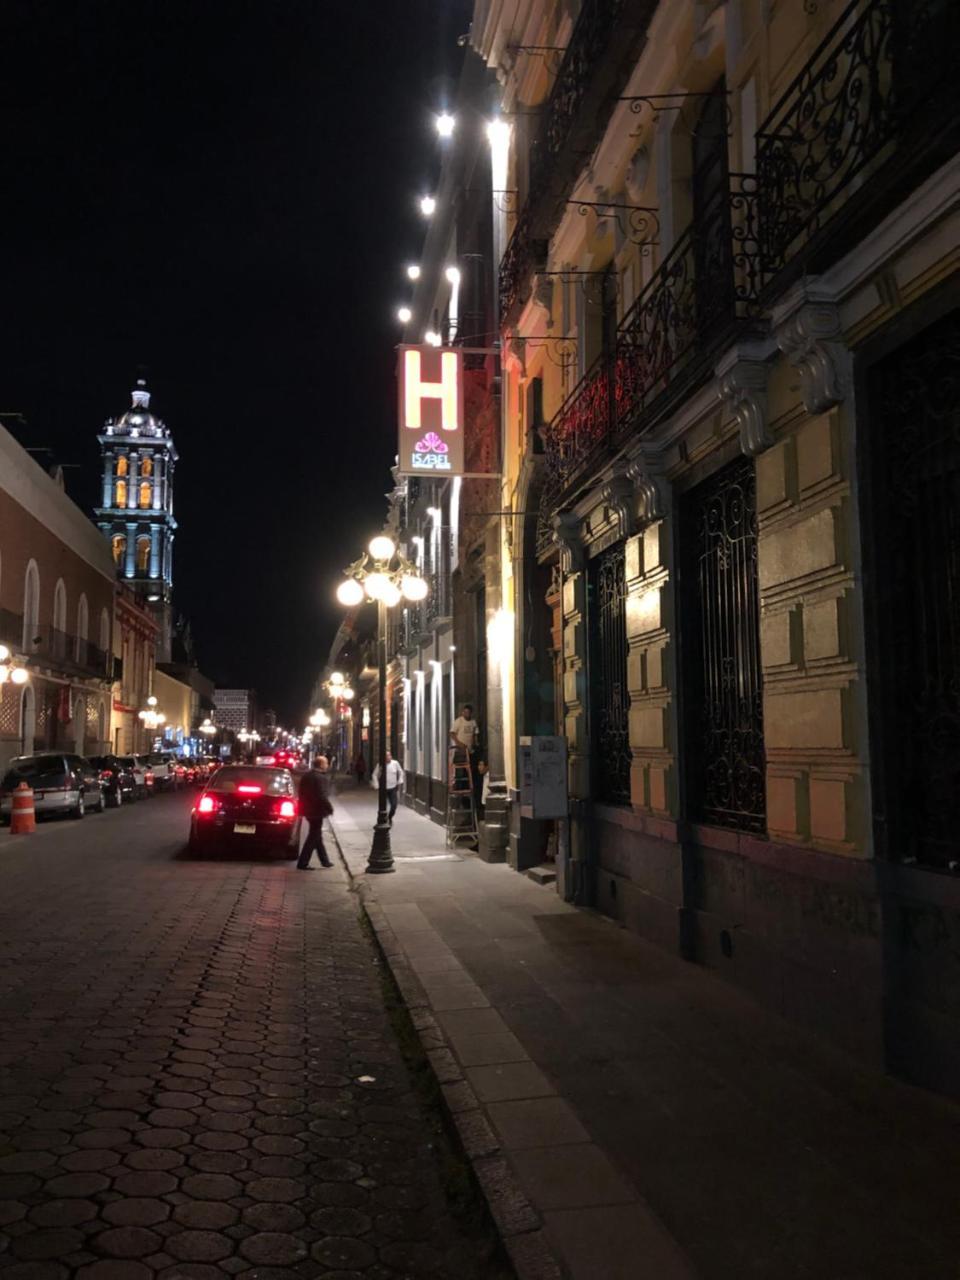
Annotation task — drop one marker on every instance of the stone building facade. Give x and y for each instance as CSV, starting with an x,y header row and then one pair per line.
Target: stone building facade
x,y
56,614
728,307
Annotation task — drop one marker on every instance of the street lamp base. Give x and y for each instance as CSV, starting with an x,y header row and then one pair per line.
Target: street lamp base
x,y
381,856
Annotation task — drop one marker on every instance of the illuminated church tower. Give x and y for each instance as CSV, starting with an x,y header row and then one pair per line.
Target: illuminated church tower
x,y
136,514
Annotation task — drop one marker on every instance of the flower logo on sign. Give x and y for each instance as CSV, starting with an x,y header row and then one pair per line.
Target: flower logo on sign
x,y
431,443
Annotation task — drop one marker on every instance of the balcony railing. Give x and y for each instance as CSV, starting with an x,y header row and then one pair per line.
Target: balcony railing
x,y
574,116
705,289
70,653
873,112
522,257
589,40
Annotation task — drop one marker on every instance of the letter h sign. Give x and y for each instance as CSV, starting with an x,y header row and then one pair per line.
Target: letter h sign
x,y
431,410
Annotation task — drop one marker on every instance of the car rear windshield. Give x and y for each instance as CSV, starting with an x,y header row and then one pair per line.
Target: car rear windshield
x,y
36,769
101,762
272,782
127,762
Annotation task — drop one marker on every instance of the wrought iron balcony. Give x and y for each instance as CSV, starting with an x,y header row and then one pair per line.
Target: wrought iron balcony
x,y
873,113
522,257
601,53
71,653
704,290
595,27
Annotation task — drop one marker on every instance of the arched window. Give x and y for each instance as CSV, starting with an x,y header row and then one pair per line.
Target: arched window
x,y
60,618
83,627
28,720
123,466
31,607
120,498
119,544
105,631
146,466
146,494
143,555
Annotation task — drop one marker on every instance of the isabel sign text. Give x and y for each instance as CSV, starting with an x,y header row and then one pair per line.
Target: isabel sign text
x,y
431,410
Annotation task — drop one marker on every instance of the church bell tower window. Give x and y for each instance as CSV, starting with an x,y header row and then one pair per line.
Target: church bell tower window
x,y
146,495
120,497
123,465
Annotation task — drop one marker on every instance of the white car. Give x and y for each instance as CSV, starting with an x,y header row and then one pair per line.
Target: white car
x,y
142,771
164,766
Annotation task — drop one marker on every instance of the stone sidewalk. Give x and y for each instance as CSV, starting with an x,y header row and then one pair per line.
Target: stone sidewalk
x,y
632,1116
200,1076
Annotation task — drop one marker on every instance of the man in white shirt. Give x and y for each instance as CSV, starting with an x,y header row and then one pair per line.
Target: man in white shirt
x,y
395,780
464,730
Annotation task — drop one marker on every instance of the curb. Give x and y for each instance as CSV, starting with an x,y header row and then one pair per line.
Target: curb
x,y
517,1222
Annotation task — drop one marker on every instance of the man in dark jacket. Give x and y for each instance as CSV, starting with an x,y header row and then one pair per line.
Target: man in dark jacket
x,y
314,806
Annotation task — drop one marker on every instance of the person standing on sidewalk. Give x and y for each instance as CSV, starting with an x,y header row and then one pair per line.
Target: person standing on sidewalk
x,y
395,781
313,795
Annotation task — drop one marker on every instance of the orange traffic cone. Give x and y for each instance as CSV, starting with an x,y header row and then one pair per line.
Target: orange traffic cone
x,y
22,816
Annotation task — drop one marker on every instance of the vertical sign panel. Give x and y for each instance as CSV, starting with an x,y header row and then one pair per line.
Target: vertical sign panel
x,y
430,383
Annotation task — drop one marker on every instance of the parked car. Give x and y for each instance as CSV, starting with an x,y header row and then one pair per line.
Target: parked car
x,y
142,772
246,806
117,778
164,766
61,782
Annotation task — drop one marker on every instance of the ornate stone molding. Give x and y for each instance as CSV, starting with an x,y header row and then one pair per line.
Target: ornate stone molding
x,y
742,375
568,531
808,332
541,297
651,488
618,497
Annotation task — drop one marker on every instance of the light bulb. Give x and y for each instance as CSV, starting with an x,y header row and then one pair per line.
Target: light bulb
x,y
390,595
404,315
336,677
453,275
350,592
446,124
382,547
427,205
432,338
374,584
4,653
413,271
347,693
413,586
19,675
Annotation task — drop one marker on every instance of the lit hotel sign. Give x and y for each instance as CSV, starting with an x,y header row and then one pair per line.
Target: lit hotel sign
x,y
431,411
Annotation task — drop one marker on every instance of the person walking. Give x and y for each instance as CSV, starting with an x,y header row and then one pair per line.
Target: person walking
x,y
314,798
395,781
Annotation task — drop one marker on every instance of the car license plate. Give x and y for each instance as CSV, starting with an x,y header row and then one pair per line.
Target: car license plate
x,y
244,829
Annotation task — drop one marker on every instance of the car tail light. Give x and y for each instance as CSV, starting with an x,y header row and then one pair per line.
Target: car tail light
x,y
207,804
148,779
288,809
249,789
106,773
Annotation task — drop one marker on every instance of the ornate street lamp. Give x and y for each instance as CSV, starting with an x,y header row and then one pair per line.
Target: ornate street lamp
x,y
151,717
12,668
385,575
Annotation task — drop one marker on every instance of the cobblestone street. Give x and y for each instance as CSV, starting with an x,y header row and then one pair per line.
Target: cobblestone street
x,y
199,1075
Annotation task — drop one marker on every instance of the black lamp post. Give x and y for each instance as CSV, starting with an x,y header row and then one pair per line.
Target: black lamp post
x,y
385,575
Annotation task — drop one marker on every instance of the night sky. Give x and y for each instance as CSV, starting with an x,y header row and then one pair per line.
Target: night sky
x,y
223,192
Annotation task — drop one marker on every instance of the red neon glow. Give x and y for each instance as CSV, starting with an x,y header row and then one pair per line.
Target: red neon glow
x,y
248,789
288,809
415,390
207,804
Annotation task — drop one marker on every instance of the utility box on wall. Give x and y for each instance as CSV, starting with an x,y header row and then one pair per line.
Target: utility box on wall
x,y
543,777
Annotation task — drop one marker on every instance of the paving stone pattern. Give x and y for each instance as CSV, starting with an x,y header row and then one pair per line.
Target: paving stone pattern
x,y
198,1076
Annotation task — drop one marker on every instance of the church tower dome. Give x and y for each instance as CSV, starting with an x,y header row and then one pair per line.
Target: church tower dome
x,y
136,511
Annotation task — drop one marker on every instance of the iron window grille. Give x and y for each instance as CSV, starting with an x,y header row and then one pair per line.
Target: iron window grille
x,y
720,638
610,701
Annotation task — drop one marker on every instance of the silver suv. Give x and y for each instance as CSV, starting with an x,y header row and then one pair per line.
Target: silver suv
x,y
61,783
